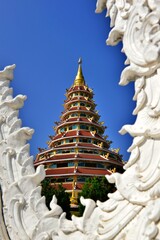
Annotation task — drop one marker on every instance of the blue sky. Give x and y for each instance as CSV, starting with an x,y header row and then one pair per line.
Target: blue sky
x,y
45,38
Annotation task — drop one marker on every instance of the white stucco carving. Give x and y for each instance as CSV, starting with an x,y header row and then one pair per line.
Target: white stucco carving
x,y
133,211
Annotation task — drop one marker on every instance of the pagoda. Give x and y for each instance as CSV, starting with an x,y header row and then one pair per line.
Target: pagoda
x,y
78,150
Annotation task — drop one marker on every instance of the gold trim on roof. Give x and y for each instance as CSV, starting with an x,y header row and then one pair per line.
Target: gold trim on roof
x,y
79,80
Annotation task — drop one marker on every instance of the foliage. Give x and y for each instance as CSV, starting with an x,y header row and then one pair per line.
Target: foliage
x,y
96,188
58,190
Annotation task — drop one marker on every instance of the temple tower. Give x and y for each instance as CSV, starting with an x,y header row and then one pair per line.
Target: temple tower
x,y
78,150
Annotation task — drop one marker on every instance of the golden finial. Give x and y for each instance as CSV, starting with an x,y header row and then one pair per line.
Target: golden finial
x,y
79,80
80,61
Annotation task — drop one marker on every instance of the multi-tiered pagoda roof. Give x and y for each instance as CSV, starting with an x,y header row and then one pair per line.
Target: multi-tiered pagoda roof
x,y
78,149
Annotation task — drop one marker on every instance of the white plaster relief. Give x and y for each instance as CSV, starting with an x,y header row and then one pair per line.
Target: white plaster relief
x,y
136,23
133,211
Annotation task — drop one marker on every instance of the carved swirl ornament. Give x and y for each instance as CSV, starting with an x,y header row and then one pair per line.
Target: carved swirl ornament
x,y
133,211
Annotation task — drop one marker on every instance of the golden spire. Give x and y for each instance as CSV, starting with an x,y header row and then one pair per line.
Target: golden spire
x,y
79,80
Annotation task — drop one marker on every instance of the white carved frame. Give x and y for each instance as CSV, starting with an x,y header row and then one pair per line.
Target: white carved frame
x,y
133,211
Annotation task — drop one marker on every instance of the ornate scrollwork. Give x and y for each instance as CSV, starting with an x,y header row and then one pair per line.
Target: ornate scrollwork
x,y
132,212
136,23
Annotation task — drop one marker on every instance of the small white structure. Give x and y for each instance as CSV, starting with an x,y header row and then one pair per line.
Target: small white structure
x,y
133,211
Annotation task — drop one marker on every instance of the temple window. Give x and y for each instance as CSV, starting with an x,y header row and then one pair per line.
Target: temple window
x,y
86,140
53,166
64,129
84,127
71,127
59,165
100,165
81,164
92,128
83,115
74,115
80,150
96,152
90,165
69,179
81,179
70,164
70,140
88,151
66,151
82,104
59,151
95,142
75,104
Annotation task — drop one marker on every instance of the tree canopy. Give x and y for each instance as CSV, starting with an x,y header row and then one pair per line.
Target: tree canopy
x,y
96,188
58,190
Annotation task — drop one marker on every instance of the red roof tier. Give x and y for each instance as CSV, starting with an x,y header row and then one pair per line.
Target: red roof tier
x,y
78,157
79,120
75,145
75,133
80,171
74,99
66,113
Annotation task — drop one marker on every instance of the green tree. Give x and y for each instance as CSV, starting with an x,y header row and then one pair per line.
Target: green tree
x,y
96,188
58,190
